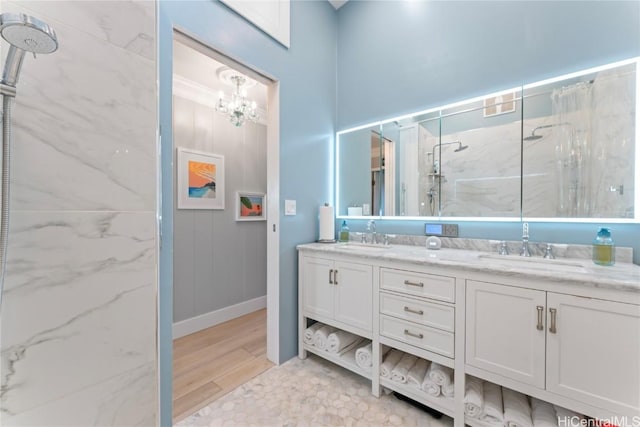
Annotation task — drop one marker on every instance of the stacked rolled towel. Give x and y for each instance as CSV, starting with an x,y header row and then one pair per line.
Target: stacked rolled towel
x,y
473,397
321,336
308,333
428,385
517,412
418,372
338,340
441,375
543,414
390,361
401,370
448,390
364,357
492,412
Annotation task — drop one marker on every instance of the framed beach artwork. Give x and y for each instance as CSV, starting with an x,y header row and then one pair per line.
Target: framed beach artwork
x,y
250,206
200,178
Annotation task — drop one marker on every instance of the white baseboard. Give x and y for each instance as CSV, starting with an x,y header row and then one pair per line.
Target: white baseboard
x,y
207,320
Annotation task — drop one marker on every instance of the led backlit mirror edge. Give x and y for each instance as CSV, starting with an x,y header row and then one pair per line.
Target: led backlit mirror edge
x,y
520,218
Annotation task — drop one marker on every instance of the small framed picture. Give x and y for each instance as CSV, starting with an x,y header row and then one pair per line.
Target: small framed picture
x,y
251,206
200,179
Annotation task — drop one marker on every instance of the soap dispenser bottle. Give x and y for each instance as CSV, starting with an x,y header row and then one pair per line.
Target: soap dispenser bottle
x,y
344,232
604,251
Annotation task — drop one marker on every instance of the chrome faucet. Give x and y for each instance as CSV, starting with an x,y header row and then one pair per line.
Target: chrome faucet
x,y
548,253
524,250
371,229
503,249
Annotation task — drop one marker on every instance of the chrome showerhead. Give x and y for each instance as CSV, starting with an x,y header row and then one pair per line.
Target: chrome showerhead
x,y
460,148
24,34
532,137
28,33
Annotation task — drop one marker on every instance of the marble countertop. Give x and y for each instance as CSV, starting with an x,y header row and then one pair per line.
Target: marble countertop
x,y
622,276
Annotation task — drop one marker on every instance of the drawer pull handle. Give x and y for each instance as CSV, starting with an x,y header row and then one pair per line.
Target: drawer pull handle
x,y
331,277
411,334
552,328
540,309
335,277
410,283
411,310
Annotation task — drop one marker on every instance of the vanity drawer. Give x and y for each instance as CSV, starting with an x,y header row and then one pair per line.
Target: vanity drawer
x,y
421,284
426,313
424,337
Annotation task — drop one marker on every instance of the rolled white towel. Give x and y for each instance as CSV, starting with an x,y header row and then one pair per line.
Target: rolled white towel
x,y
492,412
364,357
401,370
321,335
441,375
430,387
390,361
339,340
543,414
473,397
448,390
517,412
308,333
418,372
567,416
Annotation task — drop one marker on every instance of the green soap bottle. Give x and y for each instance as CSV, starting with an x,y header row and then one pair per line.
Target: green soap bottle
x,y
344,232
604,251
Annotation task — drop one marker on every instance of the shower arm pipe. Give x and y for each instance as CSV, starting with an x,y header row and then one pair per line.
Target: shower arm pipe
x,y
433,151
551,125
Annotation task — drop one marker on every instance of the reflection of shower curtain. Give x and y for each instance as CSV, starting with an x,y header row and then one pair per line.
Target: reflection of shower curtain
x,y
572,112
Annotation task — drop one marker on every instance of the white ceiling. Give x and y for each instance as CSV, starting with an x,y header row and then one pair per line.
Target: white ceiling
x,y
194,66
337,3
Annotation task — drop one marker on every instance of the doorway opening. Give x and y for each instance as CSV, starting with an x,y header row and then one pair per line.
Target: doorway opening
x,y
225,251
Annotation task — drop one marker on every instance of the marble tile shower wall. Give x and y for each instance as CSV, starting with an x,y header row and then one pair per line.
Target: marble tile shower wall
x,y
78,330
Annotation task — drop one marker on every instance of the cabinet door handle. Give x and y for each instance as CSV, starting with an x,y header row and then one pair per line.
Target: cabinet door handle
x,y
411,334
411,310
335,277
540,309
410,283
331,277
552,328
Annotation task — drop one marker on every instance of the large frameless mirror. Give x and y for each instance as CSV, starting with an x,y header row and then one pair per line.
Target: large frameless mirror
x,y
559,149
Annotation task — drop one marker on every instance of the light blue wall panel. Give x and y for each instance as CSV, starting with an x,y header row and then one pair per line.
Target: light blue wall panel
x,y
399,57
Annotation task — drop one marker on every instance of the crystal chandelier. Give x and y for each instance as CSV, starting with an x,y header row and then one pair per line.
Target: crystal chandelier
x,y
238,108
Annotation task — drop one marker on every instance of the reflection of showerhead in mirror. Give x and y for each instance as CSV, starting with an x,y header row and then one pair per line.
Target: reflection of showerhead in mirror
x,y
534,137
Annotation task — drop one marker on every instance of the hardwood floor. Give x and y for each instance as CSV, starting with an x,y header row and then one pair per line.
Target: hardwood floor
x,y
210,363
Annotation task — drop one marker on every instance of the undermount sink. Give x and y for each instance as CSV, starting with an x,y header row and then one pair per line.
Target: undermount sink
x,y
534,262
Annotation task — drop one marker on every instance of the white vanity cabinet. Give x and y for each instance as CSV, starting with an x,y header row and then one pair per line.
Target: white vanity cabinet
x,y
338,292
568,338
580,348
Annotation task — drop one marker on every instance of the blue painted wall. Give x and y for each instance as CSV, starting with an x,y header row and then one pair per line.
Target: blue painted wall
x,y
399,57
306,72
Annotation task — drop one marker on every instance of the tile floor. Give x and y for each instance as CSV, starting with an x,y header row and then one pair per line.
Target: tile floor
x,y
310,392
